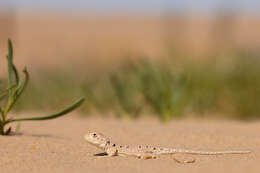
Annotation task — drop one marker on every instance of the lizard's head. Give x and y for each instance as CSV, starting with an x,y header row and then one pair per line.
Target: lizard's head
x,y
97,139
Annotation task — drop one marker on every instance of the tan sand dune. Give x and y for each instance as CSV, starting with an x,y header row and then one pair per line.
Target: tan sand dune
x,y
59,146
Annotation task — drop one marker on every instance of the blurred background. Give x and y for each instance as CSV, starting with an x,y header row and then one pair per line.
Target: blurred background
x,y
162,58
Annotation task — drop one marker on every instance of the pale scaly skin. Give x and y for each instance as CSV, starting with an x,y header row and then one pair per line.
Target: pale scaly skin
x,y
144,151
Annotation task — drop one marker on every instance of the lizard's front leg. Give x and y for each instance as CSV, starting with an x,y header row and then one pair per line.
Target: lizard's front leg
x,y
112,151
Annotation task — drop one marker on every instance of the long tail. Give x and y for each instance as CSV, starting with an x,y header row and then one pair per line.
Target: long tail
x,y
172,151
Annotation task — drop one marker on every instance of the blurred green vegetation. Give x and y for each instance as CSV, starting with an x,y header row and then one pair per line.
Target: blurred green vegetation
x,y
228,86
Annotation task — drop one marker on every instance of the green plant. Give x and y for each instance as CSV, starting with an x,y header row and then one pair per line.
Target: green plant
x,y
14,90
127,93
164,90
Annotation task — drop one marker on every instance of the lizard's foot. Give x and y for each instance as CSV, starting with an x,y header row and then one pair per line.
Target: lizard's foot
x,y
184,161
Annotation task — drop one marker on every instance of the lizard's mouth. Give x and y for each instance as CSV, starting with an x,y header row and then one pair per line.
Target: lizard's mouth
x,y
97,144
89,139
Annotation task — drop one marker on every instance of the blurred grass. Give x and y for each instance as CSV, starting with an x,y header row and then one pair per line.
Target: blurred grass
x,y
228,86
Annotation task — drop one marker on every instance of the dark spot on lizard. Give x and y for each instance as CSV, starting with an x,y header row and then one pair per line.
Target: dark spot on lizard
x,y
154,148
121,146
139,146
113,145
127,146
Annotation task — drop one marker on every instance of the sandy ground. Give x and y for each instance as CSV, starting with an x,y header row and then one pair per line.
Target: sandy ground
x,y
58,145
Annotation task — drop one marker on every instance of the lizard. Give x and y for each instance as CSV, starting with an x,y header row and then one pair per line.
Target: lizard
x,y
145,151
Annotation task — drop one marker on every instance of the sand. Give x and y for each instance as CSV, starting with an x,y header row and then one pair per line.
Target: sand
x,y
58,145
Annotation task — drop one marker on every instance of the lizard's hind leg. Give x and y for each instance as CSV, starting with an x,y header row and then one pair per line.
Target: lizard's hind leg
x,y
147,156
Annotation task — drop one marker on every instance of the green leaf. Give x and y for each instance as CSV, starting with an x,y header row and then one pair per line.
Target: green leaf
x,y
10,48
18,91
16,75
22,86
56,115
12,72
10,63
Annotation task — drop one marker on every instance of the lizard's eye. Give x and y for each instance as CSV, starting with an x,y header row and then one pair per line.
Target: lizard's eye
x,y
94,135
